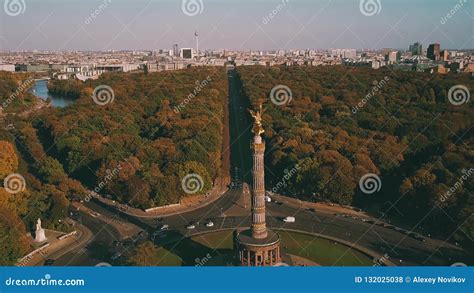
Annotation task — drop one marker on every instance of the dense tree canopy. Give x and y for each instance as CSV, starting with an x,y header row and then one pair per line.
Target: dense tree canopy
x,y
342,123
47,187
146,254
8,159
139,147
14,95
13,242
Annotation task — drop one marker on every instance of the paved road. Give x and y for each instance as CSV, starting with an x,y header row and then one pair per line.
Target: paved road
x,y
395,244
99,248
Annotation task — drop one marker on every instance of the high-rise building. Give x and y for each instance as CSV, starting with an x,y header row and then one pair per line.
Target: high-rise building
x,y
393,57
258,246
350,53
444,55
416,49
434,52
187,53
196,34
176,50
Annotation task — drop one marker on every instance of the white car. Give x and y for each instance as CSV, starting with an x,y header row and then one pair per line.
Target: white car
x,y
164,227
191,227
289,220
210,224
116,256
268,199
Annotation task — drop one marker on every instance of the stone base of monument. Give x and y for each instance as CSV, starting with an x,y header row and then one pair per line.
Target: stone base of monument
x,y
40,236
50,236
258,252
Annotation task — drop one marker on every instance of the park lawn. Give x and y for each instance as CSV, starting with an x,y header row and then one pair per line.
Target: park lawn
x,y
316,249
322,251
216,240
168,259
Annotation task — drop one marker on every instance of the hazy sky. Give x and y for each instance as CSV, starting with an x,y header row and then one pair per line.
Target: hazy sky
x,y
233,24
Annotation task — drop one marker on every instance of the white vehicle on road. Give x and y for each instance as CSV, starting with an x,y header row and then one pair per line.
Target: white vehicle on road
x,y
210,224
116,256
191,227
268,199
289,220
161,230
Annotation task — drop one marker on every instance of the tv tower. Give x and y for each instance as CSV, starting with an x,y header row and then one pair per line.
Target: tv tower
x,y
196,34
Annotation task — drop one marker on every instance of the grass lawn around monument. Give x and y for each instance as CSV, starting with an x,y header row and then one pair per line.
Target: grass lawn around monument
x,y
217,240
168,259
322,251
220,244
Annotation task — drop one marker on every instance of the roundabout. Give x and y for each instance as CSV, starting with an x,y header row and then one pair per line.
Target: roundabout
x,y
216,248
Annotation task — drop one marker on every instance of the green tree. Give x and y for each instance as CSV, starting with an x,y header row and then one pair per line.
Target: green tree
x,y
51,171
145,254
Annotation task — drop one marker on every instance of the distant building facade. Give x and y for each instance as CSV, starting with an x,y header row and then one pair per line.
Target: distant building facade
x,y
7,67
416,49
187,53
434,52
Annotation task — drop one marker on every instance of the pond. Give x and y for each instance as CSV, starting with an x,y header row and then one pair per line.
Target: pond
x,y
40,89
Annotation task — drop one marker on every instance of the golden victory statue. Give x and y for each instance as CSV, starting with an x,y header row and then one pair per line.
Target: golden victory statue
x,y
257,116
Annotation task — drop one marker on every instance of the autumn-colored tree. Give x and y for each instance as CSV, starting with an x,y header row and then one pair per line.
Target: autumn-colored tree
x,y
8,159
145,255
13,241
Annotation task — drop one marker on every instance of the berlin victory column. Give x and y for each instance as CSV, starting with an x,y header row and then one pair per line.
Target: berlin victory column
x,y
258,246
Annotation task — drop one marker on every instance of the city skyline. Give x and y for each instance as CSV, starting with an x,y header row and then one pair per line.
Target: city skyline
x,y
234,25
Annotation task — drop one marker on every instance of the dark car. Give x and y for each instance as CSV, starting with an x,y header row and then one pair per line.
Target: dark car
x,y
49,262
128,242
